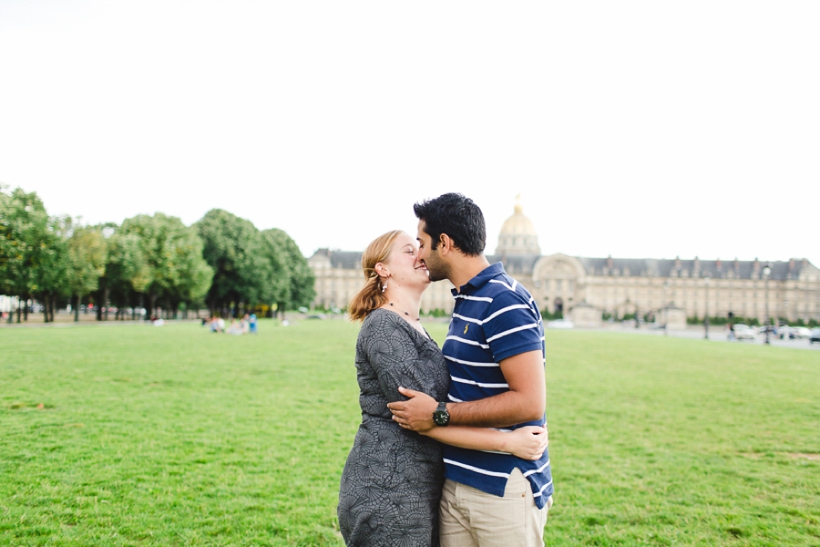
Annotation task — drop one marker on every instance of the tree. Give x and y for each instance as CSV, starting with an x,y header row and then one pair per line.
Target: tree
x,y
25,233
175,270
86,258
277,286
8,254
127,271
300,279
194,275
237,254
51,272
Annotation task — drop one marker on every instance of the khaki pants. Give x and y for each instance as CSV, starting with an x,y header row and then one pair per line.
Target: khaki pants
x,y
472,518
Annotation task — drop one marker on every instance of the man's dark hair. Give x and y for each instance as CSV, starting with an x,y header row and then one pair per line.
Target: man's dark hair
x,y
458,217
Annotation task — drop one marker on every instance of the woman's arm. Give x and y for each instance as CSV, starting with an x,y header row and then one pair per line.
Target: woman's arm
x,y
527,442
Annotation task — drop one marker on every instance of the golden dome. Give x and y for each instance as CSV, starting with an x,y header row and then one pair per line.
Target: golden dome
x,y
518,235
518,224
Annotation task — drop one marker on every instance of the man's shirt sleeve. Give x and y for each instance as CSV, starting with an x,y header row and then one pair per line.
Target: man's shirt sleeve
x,y
512,326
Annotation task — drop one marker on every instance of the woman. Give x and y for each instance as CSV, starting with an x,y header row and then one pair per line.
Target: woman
x,y
391,483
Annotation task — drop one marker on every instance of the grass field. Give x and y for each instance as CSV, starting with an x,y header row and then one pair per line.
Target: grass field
x,y
135,435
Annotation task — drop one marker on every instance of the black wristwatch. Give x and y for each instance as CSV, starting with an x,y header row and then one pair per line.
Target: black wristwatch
x,y
440,416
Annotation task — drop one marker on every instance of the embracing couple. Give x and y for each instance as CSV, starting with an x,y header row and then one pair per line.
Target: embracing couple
x,y
452,449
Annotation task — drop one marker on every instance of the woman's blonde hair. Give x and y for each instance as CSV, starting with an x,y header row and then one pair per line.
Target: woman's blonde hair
x,y
372,295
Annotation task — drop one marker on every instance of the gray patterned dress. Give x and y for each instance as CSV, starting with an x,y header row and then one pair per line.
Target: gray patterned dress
x,y
391,483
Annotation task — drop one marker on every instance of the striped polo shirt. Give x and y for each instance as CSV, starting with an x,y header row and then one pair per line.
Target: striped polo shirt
x,y
494,318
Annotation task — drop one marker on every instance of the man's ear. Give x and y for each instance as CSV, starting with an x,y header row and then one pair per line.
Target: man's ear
x,y
445,245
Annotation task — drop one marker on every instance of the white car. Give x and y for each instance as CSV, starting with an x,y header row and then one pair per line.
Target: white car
x,y
790,333
560,324
744,332
801,332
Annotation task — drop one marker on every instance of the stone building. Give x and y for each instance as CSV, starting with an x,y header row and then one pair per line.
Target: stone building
x,y
585,288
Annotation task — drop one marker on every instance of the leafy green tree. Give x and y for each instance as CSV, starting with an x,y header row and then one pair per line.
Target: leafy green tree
x,y
174,270
24,233
7,251
51,273
277,285
194,275
300,279
86,263
236,252
127,271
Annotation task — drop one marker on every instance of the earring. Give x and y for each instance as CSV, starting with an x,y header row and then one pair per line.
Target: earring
x,y
384,286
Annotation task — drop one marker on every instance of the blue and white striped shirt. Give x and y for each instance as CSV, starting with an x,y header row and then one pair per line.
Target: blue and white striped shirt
x,y
494,318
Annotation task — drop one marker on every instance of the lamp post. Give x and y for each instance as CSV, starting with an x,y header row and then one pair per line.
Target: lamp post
x,y
767,271
706,310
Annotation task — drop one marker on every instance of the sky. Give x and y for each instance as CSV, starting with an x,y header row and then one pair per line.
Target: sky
x,y
629,129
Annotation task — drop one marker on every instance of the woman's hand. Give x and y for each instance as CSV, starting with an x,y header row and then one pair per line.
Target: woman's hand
x,y
528,442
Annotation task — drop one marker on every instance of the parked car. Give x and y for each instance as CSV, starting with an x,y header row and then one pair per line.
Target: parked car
x,y
794,333
744,332
801,333
560,324
815,336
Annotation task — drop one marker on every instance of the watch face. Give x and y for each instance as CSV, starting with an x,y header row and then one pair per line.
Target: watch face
x,y
441,417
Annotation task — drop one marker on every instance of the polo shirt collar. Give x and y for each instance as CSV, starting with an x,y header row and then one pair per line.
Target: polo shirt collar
x,y
481,279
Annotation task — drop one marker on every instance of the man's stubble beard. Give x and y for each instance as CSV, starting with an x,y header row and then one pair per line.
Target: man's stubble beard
x,y
434,278
438,272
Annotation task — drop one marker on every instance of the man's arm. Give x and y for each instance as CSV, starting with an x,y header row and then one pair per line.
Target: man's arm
x,y
524,402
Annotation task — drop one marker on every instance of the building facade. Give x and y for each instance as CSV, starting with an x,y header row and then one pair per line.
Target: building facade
x,y
585,288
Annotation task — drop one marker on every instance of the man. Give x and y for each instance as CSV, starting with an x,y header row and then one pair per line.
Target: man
x,y
495,352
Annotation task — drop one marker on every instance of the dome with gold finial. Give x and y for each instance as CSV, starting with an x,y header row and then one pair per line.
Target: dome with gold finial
x,y
518,236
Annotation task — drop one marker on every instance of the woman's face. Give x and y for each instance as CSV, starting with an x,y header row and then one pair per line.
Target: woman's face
x,y
404,265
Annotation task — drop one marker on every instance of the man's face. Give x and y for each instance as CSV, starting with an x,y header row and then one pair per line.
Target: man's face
x,y
436,267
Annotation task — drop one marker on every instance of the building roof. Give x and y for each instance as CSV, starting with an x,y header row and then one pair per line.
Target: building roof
x,y
716,269
346,260
515,264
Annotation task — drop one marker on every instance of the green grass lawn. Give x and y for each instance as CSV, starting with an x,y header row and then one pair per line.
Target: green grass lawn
x,y
175,436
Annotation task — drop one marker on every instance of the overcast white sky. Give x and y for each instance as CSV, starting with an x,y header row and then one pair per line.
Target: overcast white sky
x,y
631,129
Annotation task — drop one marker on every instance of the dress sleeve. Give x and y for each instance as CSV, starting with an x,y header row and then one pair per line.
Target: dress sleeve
x,y
395,357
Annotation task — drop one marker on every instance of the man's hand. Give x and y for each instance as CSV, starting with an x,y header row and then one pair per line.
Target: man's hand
x,y
416,413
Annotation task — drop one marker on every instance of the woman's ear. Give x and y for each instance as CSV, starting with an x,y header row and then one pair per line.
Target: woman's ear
x,y
381,270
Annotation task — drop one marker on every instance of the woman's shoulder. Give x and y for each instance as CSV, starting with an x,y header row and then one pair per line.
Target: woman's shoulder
x,y
381,318
385,323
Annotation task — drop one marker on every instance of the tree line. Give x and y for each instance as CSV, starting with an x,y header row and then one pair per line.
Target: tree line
x,y
153,262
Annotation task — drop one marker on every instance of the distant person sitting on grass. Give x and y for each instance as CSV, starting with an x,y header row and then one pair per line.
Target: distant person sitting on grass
x,y
252,323
235,328
216,326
